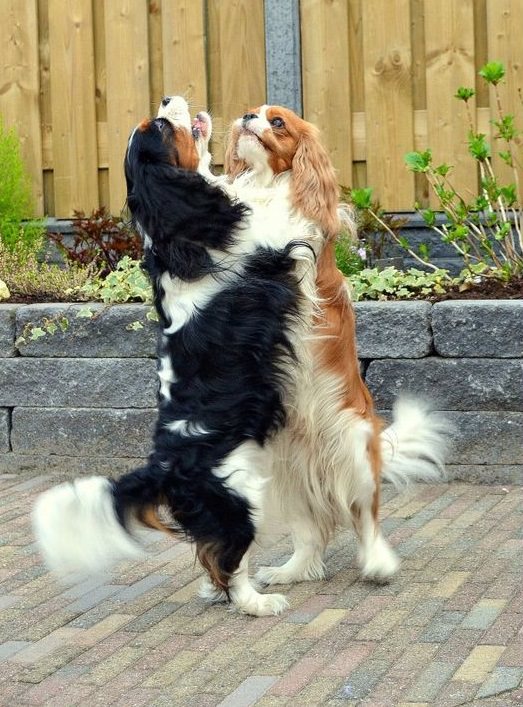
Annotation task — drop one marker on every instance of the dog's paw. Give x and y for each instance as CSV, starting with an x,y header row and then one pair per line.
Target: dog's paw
x,y
210,593
263,605
380,564
288,575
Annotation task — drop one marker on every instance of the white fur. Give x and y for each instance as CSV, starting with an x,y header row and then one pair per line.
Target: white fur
x,y
183,298
176,111
167,376
77,528
413,448
187,429
245,471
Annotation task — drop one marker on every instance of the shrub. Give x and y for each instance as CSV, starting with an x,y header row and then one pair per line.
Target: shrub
x,y
100,240
17,225
487,230
126,283
26,277
376,229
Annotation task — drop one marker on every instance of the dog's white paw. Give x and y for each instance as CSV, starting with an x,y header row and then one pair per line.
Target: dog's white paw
x,y
288,574
210,593
380,564
264,605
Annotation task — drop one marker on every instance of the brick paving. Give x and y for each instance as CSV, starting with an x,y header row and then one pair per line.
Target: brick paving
x,y
447,631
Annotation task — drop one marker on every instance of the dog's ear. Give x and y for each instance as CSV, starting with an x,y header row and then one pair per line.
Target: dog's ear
x,y
315,187
181,214
232,164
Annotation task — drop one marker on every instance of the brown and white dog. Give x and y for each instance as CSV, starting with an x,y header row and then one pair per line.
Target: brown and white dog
x,y
333,452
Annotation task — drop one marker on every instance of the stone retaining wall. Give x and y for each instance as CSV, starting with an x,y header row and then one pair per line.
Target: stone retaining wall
x,y
83,400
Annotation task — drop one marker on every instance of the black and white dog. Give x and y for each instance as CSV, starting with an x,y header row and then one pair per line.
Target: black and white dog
x,y
232,286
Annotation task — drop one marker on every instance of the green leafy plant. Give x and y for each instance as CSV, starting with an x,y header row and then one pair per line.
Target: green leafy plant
x,y
100,240
349,257
487,230
376,229
18,227
390,283
27,278
126,283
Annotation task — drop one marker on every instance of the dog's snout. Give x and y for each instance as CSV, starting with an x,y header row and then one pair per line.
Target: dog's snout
x,y
166,100
248,116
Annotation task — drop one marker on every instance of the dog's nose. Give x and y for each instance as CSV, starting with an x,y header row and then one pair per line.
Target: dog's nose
x,y
248,116
166,100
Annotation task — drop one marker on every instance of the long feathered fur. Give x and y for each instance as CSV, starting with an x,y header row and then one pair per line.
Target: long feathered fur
x,y
228,308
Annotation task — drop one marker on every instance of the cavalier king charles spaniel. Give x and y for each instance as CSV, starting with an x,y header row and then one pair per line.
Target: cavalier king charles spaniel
x,y
333,452
233,282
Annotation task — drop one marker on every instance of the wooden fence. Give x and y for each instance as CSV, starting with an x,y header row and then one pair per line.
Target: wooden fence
x,y
377,76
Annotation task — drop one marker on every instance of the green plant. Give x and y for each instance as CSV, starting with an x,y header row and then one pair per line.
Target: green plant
x,y
126,283
349,257
100,240
26,277
487,229
376,229
17,223
390,283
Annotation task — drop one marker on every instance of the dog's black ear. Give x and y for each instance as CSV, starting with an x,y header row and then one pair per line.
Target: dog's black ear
x,y
180,212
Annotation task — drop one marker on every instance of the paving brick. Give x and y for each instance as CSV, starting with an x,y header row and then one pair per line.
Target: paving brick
x,y
500,680
249,692
484,613
428,684
479,663
363,679
324,622
9,648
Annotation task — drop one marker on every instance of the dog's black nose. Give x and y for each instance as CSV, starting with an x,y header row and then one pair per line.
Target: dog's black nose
x,y
166,100
248,116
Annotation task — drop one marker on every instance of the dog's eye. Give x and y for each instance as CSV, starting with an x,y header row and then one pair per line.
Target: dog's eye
x,y
277,122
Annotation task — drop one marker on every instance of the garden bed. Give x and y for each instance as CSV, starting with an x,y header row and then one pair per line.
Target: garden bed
x,y
82,398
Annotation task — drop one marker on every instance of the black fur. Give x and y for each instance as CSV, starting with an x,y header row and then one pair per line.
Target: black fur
x,y
228,358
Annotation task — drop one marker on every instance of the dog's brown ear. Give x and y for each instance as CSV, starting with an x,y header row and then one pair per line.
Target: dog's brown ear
x,y
315,186
232,164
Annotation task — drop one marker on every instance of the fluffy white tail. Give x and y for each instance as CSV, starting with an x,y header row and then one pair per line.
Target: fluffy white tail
x,y
78,530
414,447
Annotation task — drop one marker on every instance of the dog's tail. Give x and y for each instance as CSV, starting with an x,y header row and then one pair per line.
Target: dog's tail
x,y
87,526
414,446
93,523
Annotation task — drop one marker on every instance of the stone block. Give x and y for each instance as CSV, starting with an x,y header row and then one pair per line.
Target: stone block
x,y
393,329
482,437
483,328
77,382
450,384
112,331
84,432
7,329
66,468
485,473
4,430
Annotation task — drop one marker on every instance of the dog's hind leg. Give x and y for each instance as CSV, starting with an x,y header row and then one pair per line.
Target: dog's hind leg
x,y
375,557
245,598
306,562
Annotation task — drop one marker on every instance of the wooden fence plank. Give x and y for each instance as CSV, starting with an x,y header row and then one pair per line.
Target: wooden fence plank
x,y
505,24
388,100
237,78
19,85
449,50
73,106
326,78
184,62
128,96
